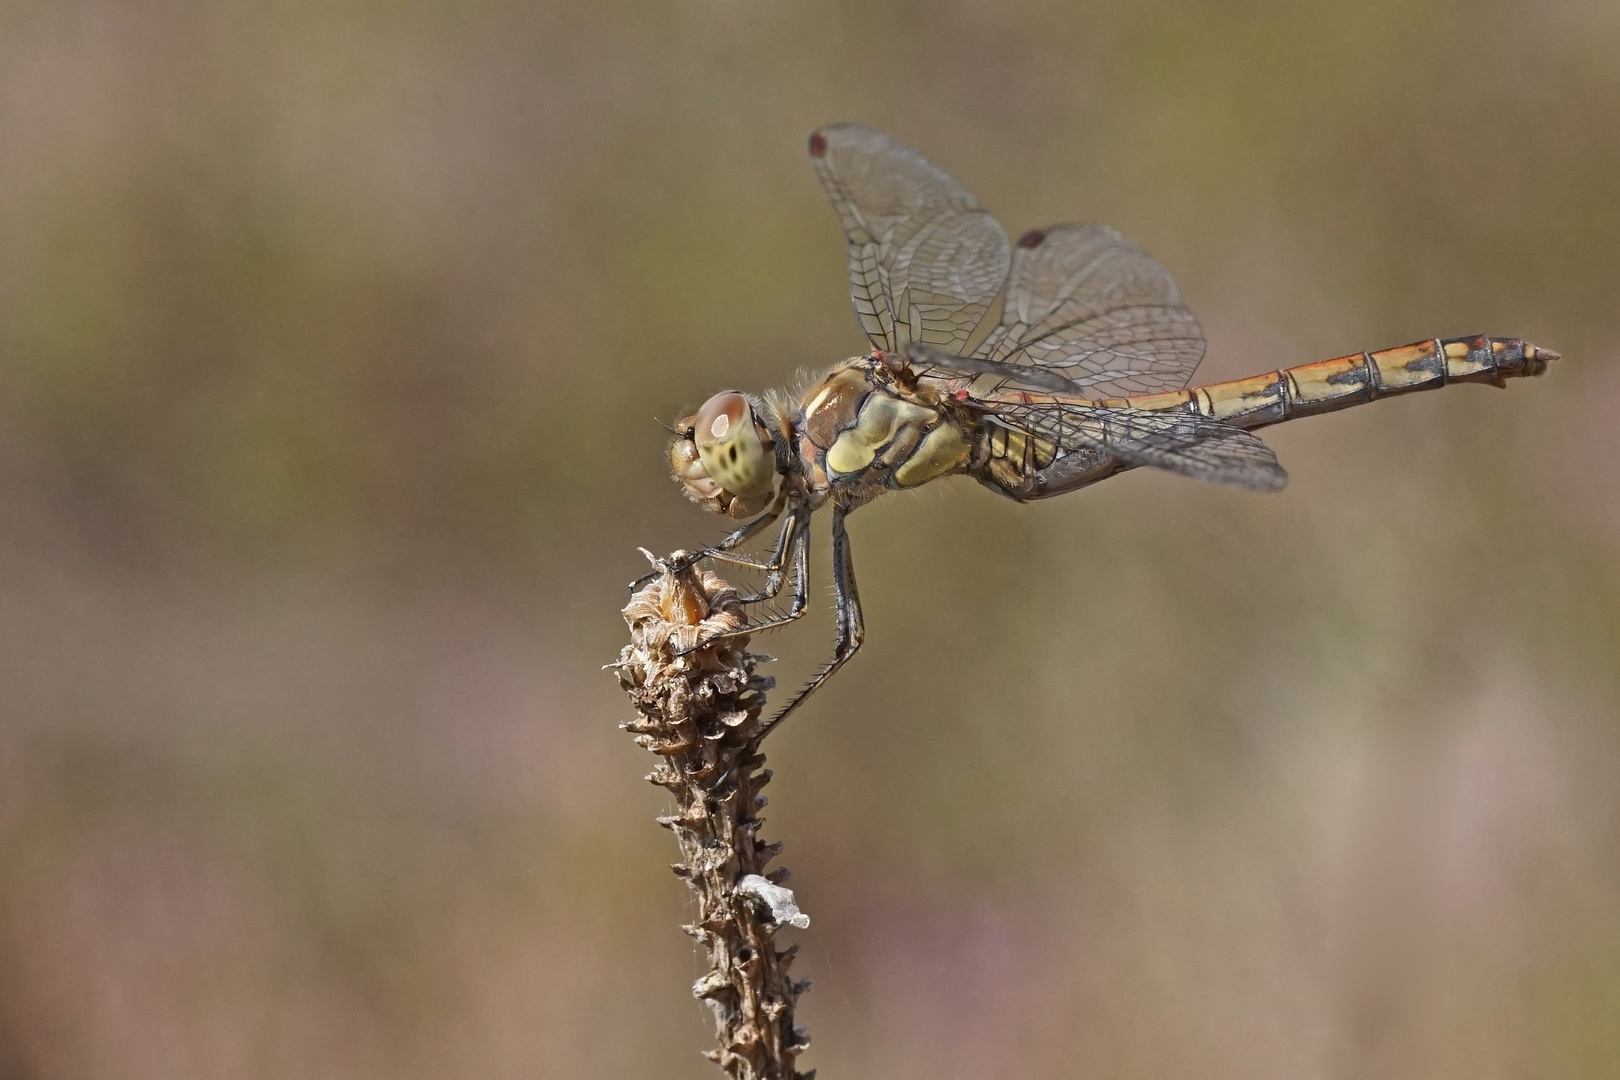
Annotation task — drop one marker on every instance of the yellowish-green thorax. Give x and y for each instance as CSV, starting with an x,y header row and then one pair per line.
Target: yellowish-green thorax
x,y
880,419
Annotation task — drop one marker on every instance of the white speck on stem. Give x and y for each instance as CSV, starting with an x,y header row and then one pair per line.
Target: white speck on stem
x,y
784,909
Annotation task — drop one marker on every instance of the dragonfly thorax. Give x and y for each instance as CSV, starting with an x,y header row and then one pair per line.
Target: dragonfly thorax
x,y
868,428
723,459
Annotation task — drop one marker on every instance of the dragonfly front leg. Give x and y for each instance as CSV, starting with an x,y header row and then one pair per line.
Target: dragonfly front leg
x,y
723,549
801,591
851,624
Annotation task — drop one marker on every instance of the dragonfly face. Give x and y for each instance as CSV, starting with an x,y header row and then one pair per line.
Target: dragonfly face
x,y
1082,375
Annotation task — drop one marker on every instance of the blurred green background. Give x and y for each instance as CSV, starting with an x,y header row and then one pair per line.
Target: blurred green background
x,y
332,339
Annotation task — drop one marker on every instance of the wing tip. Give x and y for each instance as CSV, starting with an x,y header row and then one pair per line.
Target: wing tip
x,y
1267,479
820,138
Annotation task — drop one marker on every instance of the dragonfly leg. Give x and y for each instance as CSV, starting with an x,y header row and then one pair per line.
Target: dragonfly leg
x,y
772,566
801,594
795,523
722,549
851,624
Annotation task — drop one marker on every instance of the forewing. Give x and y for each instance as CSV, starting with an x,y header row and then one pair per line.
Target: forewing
x,y
925,260
1184,443
1089,305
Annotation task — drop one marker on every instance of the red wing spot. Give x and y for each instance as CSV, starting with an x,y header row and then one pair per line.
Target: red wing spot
x,y
1032,238
818,144
878,355
961,395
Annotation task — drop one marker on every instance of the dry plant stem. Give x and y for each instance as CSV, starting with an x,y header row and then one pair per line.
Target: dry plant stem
x,y
700,713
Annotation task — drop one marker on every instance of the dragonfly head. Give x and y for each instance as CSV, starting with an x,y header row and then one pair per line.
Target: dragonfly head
x,y
723,458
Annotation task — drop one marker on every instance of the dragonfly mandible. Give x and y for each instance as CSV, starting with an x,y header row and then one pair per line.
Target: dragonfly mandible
x,y
1083,376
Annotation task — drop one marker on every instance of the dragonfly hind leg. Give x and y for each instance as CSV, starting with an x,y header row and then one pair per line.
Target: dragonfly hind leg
x,y
851,623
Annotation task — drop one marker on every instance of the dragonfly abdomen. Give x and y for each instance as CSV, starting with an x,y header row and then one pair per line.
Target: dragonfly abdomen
x,y
1024,466
1330,385
1012,456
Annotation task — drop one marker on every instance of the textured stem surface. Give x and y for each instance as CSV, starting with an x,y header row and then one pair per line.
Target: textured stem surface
x,y
700,713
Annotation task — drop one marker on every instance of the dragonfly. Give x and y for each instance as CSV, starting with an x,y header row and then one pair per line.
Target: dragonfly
x,y
1083,376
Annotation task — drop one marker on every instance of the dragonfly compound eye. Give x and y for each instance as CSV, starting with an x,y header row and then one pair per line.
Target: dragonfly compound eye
x,y
720,461
729,446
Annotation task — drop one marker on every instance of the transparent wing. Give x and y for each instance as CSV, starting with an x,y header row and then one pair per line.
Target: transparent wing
x,y
925,260
1184,443
1085,303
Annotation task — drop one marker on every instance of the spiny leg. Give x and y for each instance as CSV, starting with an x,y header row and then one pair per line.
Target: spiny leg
x,y
851,624
721,550
801,594
797,520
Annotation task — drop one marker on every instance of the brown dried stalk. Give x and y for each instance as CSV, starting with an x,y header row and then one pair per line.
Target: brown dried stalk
x,y
700,712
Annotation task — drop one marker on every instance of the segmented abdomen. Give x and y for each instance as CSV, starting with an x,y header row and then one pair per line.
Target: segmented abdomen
x,y
1012,456
1329,385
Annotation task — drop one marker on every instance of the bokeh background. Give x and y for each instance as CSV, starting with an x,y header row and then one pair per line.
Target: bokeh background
x,y
333,339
